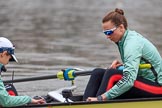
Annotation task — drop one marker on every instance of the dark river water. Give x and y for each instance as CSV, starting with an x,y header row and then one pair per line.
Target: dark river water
x,y
50,35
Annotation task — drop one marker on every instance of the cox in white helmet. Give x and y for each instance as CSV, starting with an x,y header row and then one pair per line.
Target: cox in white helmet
x,y
6,45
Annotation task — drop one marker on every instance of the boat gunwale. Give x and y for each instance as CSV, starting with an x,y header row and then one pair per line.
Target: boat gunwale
x,y
94,102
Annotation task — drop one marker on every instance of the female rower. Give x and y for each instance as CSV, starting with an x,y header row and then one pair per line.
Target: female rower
x,y
131,82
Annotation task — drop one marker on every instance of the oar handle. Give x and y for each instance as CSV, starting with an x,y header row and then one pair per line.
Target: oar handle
x,y
145,66
141,66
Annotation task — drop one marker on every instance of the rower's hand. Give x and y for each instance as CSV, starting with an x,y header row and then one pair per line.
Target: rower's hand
x,y
115,64
92,99
38,101
95,98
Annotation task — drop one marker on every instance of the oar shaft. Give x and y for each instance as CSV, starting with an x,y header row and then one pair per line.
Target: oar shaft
x,y
79,73
31,79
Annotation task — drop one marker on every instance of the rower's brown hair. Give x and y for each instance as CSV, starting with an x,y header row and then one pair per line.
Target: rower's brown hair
x,y
117,17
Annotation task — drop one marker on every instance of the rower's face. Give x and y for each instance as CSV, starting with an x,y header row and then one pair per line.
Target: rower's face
x,y
116,34
4,58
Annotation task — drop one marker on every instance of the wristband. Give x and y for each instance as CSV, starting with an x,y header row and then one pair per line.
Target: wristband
x,y
99,98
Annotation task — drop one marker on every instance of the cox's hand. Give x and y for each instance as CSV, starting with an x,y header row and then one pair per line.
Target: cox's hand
x,y
91,99
115,64
39,101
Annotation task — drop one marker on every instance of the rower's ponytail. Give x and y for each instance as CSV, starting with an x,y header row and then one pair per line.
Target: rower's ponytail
x,y
117,17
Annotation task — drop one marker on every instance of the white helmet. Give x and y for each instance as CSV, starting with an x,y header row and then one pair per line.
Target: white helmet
x,y
6,45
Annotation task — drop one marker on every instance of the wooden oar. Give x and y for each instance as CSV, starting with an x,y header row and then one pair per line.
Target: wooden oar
x,y
78,73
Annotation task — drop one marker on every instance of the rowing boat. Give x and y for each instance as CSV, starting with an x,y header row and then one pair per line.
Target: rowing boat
x,y
63,98
122,103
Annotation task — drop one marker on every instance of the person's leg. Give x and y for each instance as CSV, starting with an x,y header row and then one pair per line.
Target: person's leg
x,y
143,88
110,77
94,83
